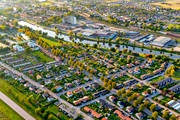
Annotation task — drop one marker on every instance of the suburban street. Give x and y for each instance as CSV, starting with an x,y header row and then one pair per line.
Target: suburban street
x,y
175,113
16,107
72,89
127,114
92,101
74,109
90,59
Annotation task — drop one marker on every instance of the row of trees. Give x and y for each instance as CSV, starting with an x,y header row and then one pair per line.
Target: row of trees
x,y
170,71
141,104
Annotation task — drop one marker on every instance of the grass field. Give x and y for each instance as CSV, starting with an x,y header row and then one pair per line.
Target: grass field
x,y
20,97
50,42
14,94
42,57
7,113
46,3
55,110
174,4
177,75
156,79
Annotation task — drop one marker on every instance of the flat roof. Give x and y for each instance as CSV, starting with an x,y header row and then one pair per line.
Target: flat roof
x,y
161,41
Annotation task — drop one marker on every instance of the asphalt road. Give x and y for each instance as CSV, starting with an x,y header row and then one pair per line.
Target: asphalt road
x,y
16,107
77,110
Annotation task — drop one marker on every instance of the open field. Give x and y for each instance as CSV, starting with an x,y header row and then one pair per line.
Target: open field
x,y
42,57
174,4
177,75
46,3
20,95
14,94
7,113
50,42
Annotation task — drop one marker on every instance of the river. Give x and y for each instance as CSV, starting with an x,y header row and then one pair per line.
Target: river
x,y
106,45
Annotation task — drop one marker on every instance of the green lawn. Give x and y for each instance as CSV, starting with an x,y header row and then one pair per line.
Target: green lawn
x,y
42,57
55,110
177,75
156,79
50,42
7,112
17,96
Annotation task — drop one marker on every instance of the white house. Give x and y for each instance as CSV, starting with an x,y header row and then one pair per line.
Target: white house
x,y
31,44
18,48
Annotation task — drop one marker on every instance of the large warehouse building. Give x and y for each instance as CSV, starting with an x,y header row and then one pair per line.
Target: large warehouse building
x,y
163,42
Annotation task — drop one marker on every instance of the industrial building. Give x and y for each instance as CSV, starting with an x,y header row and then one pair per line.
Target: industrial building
x,y
163,42
70,20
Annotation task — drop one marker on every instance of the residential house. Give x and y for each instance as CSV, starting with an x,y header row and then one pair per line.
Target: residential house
x,y
31,44
104,119
123,117
95,85
68,85
145,93
18,48
12,61
45,95
86,78
112,98
84,99
143,77
134,87
87,88
38,77
137,63
20,64
104,105
32,67
175,89
79,90
130,65
140,116
164,82
143,66
119,86
57,103
92,112
164,65
77,82
130,82
176,106
130,109
121,104
172,102
69,94
102,92
131,71
58,88
158,71
49,99
136,70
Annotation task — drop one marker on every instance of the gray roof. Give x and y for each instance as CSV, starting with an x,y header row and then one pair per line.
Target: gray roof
x,y
161,41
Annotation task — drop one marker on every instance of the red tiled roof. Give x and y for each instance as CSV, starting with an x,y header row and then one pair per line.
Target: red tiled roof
x,y
104,119
94,113
87,109
121,115
85,98
77,90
